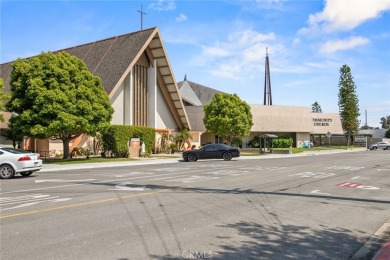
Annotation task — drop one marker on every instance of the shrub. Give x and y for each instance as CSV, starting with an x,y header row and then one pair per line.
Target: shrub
x,y
236,142
116,138
282,142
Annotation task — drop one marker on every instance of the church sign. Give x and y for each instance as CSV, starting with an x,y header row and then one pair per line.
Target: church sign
x,y
322,121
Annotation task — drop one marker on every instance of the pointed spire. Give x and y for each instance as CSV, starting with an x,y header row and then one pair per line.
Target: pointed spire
x,y
185,77
267,82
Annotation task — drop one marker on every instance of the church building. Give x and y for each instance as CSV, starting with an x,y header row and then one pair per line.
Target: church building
x,y
136,74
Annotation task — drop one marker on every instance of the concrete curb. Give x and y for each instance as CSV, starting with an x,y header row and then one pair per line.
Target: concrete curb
x,y
376,241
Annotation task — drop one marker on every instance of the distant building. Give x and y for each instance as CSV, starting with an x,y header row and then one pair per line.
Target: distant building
x,y
374,133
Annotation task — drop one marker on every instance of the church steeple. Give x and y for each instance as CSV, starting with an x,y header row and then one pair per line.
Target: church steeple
x,y
267,82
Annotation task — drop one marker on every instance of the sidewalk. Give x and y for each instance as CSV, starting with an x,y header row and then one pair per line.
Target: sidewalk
x,y
160,160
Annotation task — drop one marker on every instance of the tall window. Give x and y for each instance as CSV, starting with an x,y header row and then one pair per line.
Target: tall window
x,y
140,95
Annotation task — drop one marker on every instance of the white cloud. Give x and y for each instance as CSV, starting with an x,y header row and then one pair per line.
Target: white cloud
x,y
238,57
344,15
163,5
338,45
296,41
181,18
215,51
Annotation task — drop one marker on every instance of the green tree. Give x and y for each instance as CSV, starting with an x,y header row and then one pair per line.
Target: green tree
x,y
316,108
56,97
182,138
3,98
348,103
387,133
14,133
385,122
228,116
365,127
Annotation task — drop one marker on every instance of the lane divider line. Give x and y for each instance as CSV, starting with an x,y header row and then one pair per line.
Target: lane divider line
x,y
80,204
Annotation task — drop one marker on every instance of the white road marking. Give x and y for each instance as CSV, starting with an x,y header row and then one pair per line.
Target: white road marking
x,y
350,168
358,177
193,178
313,174
61,180
165,178
28,200
128,186
317,192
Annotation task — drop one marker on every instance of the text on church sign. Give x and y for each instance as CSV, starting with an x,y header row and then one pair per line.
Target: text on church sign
x,y
321,121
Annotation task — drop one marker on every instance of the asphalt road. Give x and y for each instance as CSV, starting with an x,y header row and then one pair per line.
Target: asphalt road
x,y
307,207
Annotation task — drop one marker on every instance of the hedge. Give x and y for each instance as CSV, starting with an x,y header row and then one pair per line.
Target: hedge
x,y
117,137
282,142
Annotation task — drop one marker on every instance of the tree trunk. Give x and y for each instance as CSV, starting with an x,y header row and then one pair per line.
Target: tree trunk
x,y
65,143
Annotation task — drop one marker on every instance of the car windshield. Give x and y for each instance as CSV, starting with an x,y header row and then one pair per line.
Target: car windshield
x,y
14,151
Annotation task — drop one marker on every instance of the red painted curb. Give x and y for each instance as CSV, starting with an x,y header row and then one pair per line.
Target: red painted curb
x,y
384,253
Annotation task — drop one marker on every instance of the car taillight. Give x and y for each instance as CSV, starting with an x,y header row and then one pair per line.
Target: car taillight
x,y
39,157
21,159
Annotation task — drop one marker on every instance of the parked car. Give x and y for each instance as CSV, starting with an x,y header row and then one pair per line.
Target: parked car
x,y
13,161
380,145
212,151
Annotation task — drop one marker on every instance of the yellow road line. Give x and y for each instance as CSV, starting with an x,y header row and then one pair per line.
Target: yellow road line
x,y
80,204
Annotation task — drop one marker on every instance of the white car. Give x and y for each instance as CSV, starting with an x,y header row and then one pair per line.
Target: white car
x,y
14,161
380,145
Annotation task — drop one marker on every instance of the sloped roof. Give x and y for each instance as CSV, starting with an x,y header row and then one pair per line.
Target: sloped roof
x,y
189,95
203,93
111,59
195,115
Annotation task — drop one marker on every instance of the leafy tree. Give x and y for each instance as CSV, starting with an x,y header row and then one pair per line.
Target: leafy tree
x,y
56,97
348,103
366,127
316,108
14,133
182,138
387,133
385,121
228,116
3,97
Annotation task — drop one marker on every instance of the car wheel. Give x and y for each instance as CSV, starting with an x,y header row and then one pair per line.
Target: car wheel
x,y
227,156
26,173
6,172
374,148
192,157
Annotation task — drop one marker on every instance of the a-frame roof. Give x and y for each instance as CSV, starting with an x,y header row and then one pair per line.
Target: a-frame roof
x,y
204,94
112,59
188,94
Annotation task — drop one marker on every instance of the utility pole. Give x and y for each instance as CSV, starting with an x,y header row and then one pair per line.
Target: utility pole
x,y
142,15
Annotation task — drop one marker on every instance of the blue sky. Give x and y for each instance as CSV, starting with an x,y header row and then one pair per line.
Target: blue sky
x,y
222,44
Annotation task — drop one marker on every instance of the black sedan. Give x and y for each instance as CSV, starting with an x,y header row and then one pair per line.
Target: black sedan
x,y
212,151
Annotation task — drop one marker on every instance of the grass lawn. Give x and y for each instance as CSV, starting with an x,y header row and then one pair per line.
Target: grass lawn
x,y
85,160
78,160
299,150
